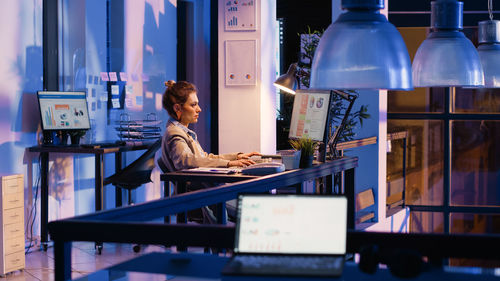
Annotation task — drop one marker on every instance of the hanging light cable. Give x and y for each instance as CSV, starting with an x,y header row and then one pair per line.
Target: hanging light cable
x,y
489,49
447,58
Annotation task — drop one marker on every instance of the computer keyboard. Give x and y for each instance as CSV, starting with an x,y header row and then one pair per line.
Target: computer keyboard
x,y
288,265
103,144
265,168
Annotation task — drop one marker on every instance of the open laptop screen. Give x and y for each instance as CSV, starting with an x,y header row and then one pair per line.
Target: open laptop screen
x,y
291,224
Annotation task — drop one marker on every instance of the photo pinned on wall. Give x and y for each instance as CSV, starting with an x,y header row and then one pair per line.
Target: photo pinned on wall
x,y
113,77
115,96
104,77
123,76
240,62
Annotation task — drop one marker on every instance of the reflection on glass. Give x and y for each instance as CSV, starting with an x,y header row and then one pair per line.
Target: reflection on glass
x,y
474,223
477,100
424,166
426,222
420,100
475,166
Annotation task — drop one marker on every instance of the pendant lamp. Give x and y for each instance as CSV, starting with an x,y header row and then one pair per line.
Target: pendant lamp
x,y
447,58
489,49
361,50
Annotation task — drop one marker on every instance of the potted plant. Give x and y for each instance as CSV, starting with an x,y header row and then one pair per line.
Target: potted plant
x,y
306,146
76,135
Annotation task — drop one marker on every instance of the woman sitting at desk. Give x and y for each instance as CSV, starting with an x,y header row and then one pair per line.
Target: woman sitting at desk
x,y
180,147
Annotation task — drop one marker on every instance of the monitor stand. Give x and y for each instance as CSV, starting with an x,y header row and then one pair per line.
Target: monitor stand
x,y
48,137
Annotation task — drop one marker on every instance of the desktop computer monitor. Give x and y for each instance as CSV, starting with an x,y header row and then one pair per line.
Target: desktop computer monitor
x,y
310,115
63,111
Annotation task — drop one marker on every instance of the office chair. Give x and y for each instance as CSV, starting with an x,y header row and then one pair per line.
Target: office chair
x,y
135,174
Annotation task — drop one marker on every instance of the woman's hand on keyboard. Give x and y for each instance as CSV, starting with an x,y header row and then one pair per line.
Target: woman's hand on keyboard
x,y
248,155
240,163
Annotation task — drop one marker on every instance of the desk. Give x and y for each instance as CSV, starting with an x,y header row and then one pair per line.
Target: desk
x,y
180,179
99,176
319,169
131,222
157,266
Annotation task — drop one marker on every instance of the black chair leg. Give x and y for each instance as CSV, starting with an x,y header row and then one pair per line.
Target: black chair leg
x,y
130,197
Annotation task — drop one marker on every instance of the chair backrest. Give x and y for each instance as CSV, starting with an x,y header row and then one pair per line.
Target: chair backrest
x,y
162,165
365,206
137,172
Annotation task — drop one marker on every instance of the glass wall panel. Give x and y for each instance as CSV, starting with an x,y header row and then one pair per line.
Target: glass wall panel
x,y
477,100
426,222
120,52
121,58
475,174
424,164
82,45
475,224
420,100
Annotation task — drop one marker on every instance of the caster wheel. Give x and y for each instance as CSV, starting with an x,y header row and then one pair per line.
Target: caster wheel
x,y
98,247
136,248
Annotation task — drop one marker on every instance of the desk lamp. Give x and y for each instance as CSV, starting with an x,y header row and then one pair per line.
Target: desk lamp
x,y
446,57
489,49
287,82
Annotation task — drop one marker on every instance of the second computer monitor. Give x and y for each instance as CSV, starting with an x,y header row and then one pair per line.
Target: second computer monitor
x,y
64,111
310,115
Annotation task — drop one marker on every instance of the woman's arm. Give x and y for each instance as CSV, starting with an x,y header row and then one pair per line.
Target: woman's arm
x,y
181,150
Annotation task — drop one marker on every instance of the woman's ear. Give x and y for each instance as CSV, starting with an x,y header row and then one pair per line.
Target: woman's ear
x,y
178,111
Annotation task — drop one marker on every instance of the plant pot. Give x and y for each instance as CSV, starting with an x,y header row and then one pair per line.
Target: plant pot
x,y
306,161
290,158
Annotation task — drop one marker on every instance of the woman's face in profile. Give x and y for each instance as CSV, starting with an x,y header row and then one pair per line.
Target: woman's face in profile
x,y
190,110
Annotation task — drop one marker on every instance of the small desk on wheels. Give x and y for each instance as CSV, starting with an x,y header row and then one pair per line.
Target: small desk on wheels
x,y
99,175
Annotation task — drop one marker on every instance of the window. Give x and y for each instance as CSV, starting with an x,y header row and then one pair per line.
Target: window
x,y
453,163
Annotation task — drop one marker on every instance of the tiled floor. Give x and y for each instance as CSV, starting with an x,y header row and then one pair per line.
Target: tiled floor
x,y
85,260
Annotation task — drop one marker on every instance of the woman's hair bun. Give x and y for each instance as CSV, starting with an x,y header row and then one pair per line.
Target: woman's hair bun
x,y
170,83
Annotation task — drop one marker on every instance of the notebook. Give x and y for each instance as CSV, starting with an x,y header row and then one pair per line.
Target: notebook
x,y
289,235
205,170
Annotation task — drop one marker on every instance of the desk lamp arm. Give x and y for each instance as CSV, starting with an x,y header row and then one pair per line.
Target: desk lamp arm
x,y
332,142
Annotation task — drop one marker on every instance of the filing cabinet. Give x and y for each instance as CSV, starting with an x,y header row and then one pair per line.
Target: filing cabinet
x,y
12,223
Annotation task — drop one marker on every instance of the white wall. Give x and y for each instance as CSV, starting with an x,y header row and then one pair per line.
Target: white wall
x,y
247,114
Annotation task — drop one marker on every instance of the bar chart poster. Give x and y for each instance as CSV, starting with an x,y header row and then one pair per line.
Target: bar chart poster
x,y
240,15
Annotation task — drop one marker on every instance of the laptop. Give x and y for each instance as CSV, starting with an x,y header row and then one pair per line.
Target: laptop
x,y
289,235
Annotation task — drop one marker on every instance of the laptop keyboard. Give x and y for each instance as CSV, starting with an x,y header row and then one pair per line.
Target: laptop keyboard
x,y
287,265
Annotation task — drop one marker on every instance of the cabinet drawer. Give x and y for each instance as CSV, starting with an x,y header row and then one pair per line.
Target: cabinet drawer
x,y
13,216
14,230
12,185
14,261
13,200
13,245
